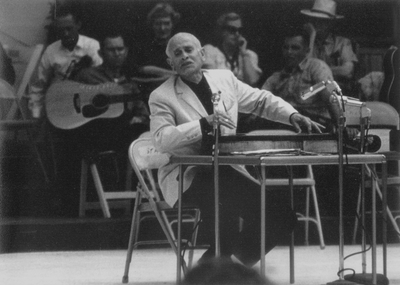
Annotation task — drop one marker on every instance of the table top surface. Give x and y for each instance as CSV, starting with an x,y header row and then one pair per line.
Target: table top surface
x,y
285,159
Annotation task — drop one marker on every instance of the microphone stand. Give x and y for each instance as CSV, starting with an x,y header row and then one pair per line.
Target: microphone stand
x,y
215,100
341,127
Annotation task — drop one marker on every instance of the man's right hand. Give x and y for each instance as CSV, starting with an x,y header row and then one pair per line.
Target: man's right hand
x,y
223,119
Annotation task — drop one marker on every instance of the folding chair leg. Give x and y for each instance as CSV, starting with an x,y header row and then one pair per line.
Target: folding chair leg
x,y
318,218
194,238
38,156
388,211
132,238
100,191
355,229
83,188
306,226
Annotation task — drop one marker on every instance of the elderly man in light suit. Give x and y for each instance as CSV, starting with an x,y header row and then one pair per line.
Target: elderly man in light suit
x,y
181,123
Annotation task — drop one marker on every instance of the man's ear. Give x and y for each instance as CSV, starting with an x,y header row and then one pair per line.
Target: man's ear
x,y
169,61
100,53
203,55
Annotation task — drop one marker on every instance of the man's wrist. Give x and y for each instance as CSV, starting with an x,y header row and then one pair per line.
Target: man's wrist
x,y
291,117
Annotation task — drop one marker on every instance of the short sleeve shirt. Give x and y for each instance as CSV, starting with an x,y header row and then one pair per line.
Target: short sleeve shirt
x,y
290,86
215,59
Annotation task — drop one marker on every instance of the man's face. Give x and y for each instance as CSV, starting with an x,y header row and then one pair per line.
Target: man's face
x,y
162,27
322,27
114,52
68,31
185,56
231,32
294,51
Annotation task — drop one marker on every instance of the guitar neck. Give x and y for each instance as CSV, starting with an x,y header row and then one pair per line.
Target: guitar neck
x,y
112,99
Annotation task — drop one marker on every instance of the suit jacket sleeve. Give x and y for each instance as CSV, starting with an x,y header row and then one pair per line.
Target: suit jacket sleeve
x,y
173,132
263,103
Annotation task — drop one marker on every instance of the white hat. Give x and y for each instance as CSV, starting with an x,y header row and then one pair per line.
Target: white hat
x,y
325,9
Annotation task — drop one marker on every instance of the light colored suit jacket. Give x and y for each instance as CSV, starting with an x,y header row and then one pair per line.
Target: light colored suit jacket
x,y
176,111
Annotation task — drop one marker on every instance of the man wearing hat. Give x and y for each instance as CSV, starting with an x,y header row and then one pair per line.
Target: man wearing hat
x,y
335,50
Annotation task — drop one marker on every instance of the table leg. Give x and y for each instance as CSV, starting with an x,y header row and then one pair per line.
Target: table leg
x,y
179,239
384,217
262,259
373,252
291,248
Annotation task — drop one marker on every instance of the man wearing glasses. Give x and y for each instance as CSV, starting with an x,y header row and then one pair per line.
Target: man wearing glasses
x,y
231,50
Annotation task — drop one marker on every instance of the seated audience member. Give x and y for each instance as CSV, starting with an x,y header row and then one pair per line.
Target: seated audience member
x,y
151,54
230,51
182,124
114,53
112,134
335,50
298,75
222,271
62,58
7,71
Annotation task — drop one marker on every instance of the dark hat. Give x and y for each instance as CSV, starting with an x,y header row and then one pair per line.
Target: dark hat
x,y
325,9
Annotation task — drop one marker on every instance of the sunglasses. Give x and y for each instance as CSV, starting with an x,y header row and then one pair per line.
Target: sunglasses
x,y
233,30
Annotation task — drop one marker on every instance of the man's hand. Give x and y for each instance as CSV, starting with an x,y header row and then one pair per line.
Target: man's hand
x,y
242,44
298,121
223,119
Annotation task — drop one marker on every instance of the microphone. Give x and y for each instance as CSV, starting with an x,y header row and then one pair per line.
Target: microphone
x,y
372,143
313,90
215,97
337,88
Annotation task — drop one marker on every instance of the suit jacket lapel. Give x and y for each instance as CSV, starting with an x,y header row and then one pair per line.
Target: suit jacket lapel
x,y
187,97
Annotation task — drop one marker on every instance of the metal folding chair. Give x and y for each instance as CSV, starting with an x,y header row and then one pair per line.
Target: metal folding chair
x,y
307,182
144,158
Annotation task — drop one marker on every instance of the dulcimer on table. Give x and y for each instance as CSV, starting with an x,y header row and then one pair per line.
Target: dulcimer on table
x,y
278,139
289,140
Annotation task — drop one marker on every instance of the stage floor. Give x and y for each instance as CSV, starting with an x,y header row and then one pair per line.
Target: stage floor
x,y
158,266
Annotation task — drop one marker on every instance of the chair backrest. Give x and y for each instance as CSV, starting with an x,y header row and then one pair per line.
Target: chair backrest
x,y
21,90
383,115
7,96
6,90
144,158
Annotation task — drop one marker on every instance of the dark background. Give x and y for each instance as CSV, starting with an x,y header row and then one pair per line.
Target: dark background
x,y
371,23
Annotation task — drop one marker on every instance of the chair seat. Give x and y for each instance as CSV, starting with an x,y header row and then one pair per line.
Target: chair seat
x,y
390,181
9,125
285,182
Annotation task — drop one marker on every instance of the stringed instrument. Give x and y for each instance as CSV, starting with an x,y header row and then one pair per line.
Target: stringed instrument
x,y
70,104
391,84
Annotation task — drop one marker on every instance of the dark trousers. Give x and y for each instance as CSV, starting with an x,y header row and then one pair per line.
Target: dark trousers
x,y
239,198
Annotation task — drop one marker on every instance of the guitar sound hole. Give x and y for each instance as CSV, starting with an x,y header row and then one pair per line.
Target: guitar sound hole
x,y
89,111
100,101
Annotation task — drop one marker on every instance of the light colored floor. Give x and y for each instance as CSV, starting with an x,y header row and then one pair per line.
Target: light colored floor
x,y
157,266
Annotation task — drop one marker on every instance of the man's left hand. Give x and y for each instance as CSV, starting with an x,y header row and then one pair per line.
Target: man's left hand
x,y
298,121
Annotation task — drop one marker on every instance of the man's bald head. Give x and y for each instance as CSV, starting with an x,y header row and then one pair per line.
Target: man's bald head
x,y
180,37
186,56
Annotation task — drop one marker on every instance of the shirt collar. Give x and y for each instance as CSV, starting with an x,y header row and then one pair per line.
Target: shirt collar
x,y
300,67
79,43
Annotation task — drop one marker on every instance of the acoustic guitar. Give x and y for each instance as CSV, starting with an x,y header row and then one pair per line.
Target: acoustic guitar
x,y
70,104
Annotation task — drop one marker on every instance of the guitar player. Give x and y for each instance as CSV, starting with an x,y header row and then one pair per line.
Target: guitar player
x,y
62,61
62,57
